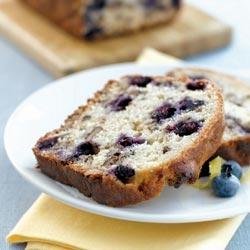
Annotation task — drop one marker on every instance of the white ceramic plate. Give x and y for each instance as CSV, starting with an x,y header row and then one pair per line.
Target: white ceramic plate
x,y
47,108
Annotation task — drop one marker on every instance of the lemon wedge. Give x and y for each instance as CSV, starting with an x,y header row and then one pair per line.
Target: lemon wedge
x,y
214,169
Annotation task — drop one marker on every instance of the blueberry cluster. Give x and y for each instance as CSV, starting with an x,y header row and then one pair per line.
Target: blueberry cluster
x,y
196,84
92,29
163,112
187,104
167,110
123,173
85,148
120,103
185,128
140,81
176,3
47,143
127,141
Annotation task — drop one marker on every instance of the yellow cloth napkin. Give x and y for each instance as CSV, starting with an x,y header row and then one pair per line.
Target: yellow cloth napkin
x,y
49,221
51,225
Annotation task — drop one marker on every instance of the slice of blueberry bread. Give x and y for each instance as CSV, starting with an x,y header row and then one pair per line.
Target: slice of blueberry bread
x,y
134,137
99,18
236,139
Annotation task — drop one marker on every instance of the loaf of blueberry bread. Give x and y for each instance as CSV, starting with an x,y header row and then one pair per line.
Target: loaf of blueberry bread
x,y
236,139
135,136
90,19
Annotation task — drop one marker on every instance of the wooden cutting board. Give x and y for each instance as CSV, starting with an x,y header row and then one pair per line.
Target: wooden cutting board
x,y
193,31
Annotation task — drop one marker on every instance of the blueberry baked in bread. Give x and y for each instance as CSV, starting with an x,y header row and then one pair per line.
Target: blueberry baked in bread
x,y
90,19
236,139
135,136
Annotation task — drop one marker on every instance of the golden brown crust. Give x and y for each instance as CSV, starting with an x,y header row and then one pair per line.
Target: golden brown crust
x,y
103,188
66,13
146,184
189,164
237,148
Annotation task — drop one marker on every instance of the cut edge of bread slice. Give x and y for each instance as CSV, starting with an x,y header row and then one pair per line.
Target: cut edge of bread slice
x,y
105,188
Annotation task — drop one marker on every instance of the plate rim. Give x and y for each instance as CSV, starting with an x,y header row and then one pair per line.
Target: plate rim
x,y
100,209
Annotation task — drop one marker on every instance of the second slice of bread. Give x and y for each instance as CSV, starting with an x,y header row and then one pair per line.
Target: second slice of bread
x,y
135,136
236,139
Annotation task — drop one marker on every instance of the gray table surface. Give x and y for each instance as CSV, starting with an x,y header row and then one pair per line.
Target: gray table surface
x,y
20,76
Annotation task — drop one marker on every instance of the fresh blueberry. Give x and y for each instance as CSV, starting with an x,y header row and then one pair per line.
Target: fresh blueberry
x,y
127,141
198,84
225,185
85,148
163,112
187,104
234,168
140,81
124,173
120,103
47,143
184,128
